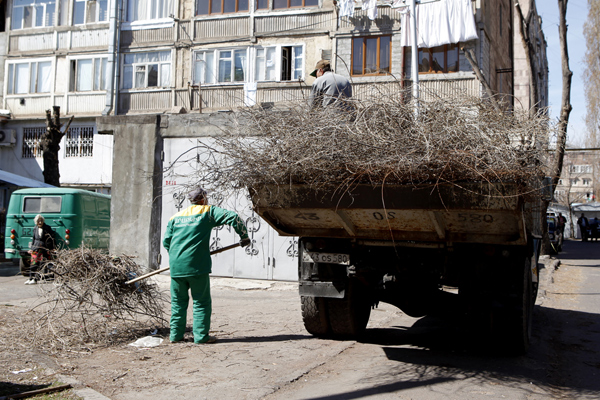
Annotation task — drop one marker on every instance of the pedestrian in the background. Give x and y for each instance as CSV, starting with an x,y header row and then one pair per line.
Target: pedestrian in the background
x,y
41,246
584,226
562,222
187,241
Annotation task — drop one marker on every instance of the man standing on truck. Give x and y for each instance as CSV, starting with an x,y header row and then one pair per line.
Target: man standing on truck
x,y
187,242
329,88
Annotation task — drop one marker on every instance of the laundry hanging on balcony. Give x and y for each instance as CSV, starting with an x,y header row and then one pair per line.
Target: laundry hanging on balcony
x,y
346,8
438,22
371,7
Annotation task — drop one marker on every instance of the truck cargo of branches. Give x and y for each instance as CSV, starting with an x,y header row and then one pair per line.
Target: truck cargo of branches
x,y
419,247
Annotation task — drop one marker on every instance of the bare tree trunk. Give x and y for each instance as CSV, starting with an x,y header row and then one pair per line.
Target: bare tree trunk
x,y
529,51
566,107
561,139
471,59
50,143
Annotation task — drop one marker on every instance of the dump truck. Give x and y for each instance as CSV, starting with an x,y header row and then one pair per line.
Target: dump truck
x,y
415,246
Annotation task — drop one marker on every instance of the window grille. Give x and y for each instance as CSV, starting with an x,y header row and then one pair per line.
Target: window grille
x,y
80,141
31,142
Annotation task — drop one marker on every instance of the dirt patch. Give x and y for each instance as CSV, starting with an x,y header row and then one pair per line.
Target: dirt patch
x,y
262,345
24,368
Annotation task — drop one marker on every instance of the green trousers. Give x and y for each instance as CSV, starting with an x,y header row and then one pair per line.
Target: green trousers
x,y
199,286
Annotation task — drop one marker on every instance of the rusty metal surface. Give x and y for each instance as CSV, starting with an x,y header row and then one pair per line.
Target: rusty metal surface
x,y
481,213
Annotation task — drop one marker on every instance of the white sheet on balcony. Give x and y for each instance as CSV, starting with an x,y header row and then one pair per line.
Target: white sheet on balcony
x,y
439,22
346,8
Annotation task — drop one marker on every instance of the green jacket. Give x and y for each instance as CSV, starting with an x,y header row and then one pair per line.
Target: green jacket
x,y
187,238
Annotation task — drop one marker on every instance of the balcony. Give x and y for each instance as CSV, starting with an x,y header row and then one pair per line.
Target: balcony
x,y
231,97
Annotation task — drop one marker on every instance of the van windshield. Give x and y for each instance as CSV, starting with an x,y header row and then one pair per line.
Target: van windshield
x,y
46,204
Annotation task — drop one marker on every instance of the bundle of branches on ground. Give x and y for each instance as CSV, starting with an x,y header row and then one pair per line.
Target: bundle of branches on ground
x,y
383,140
88,303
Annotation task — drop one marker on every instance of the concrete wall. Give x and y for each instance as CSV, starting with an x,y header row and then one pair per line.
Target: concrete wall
x,y
136,183
136,206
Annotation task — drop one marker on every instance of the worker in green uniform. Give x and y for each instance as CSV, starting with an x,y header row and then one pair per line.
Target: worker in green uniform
x,y
187,242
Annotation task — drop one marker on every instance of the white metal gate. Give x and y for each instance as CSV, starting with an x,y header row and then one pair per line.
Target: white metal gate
x,y
269,256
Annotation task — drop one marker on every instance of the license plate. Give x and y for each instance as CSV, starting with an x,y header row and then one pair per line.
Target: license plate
x,y
330,258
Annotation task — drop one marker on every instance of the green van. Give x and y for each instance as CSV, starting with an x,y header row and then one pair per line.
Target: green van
x,y
77,216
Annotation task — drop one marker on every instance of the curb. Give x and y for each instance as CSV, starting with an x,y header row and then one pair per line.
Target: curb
x,y
80,389
547,265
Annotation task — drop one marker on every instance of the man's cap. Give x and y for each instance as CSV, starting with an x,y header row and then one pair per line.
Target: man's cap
x,y
196,195
320,64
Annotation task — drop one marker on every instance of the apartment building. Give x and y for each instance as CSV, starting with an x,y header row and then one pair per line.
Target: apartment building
x,y
151,80
579,181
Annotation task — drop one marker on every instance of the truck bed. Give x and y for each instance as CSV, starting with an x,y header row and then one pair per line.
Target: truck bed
x,y
490,213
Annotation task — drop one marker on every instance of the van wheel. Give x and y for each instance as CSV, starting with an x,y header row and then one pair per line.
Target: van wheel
x,y
24,267
314,315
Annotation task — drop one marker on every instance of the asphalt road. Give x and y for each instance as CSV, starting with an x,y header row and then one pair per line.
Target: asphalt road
x,y
264,353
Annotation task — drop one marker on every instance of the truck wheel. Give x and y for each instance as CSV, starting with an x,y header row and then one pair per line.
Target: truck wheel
x,y
24,267
314,315
513,324
349,316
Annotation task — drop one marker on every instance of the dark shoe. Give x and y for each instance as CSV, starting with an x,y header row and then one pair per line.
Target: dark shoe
x,y
211,339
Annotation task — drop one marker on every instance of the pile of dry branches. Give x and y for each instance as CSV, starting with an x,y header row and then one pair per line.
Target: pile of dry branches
x,y
88,303
382,141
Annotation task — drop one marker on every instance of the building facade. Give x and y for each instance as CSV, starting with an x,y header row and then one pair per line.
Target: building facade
x,y
148,80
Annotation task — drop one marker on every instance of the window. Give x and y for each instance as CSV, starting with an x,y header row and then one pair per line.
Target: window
x,y
586,182
80,141
232,66
31,142
254,64
371,55
139,10
145,70
223,65
262,4
581,169
277,4
38,205
441,59
90,11
33,13
573,182
29,77
205,7
88,74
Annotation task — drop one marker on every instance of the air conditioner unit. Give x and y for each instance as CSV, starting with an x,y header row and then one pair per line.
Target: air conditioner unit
x,y
8,137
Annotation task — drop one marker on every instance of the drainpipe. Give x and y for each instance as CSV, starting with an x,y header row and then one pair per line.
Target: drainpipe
x,y
414,55
112,55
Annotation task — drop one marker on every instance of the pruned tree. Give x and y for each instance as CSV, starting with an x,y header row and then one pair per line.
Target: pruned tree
x,y
566,107
591,74
50,143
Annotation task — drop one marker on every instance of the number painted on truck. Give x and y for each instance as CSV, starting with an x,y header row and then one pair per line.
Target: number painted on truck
x,y
380,216
307,216
475,218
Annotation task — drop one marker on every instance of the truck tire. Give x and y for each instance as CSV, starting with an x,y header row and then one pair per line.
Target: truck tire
x,y
24,267
314,315
348,317
512,324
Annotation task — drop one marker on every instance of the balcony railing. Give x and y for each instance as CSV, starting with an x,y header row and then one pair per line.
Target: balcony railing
x,y
215,98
